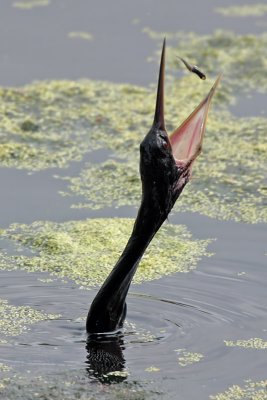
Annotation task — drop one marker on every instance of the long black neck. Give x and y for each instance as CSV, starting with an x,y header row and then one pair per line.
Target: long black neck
x,y
158,171
108,309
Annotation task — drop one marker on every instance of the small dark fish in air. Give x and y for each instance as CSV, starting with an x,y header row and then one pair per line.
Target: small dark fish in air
x,y
193,68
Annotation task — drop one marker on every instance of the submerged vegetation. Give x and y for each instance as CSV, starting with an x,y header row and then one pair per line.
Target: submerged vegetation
x,y
85,251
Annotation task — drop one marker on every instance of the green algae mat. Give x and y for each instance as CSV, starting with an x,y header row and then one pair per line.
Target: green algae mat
x,y
86,251
15,320
249,390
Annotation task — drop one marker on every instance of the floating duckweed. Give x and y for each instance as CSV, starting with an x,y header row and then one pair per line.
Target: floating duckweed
x,y
101,183
136,21
140,335
74,384
253,343
152,369
13,152
27,5
2,341
49,124
118,373
29,125
251,390
80,35
46,280
85,251
4,368
14,320
187,358
248,10
4,382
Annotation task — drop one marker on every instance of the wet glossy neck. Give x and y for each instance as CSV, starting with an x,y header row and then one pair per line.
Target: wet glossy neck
x,y
108,309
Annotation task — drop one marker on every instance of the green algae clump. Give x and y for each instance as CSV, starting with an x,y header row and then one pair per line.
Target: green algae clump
x,y
27,5
80,35
100,184
4,368
253,343
186,358
247,10
86,251
251,390
152,369
15,320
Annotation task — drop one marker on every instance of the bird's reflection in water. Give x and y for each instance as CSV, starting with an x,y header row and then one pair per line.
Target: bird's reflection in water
x,y
105,359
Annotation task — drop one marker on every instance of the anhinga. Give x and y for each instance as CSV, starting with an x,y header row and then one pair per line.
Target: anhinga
x,y
165,169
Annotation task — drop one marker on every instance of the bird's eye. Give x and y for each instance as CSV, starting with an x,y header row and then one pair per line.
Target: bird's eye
x,y
165,145
164,141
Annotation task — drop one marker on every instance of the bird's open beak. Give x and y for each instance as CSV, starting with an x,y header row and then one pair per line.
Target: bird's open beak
x,y
186,141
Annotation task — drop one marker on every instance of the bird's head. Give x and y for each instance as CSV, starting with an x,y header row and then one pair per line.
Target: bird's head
x,y
166,161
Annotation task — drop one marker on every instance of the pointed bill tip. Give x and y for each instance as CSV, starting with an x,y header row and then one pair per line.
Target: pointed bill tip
x,y
186,141
205,104
159,111
215,85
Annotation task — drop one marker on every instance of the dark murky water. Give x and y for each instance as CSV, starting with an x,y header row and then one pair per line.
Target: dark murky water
x,y
224,299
